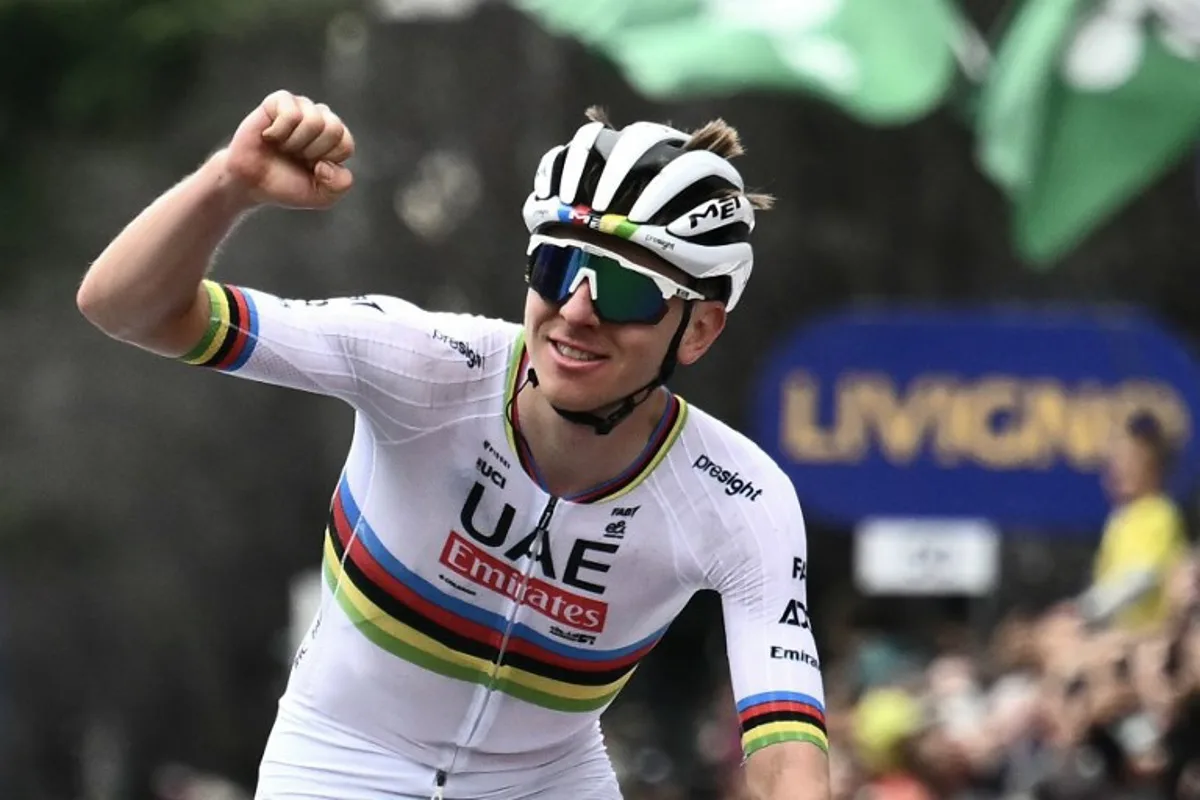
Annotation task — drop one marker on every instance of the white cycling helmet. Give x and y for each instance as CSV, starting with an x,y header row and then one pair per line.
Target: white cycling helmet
x,y
639,183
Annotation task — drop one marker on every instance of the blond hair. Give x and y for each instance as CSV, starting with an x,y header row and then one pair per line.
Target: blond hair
x,y
716,136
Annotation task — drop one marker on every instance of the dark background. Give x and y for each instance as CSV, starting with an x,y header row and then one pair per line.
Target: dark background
x,y
151,516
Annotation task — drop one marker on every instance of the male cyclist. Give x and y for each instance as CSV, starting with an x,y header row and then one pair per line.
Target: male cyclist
x,y
524,508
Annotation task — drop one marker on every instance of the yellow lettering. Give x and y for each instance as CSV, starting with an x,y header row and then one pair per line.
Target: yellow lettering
x,y
999,422
902,424
1089,427
1160,400
803,437
997,428
1046,410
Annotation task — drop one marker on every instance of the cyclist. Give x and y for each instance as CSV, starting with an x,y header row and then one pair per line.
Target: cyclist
x,y
524,508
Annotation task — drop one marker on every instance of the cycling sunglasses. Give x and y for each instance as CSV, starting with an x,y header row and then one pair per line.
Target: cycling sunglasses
x,y
622,292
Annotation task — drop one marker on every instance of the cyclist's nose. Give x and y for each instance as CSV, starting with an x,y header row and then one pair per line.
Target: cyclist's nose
x,y
578,309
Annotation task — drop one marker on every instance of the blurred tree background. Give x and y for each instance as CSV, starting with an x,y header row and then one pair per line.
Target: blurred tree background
x,y
89,70
151,516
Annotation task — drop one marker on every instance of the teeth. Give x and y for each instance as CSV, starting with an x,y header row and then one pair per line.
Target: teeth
x,y
571,352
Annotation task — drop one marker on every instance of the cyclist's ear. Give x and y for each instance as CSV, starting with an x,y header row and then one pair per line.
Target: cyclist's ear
x,y
706,324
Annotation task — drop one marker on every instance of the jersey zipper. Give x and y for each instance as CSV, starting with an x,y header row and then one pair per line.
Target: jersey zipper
x,y
541,531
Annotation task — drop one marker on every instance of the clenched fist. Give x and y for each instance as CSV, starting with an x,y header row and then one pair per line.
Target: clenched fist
x,y
290,152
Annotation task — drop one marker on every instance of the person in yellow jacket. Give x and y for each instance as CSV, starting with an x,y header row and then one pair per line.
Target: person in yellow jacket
x,y
1144,538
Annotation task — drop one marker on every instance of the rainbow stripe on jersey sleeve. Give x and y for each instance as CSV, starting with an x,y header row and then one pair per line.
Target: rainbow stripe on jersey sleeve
x,y
232,329
774,717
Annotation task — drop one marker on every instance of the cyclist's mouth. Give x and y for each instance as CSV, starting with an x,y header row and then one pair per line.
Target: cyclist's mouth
x,y
574,355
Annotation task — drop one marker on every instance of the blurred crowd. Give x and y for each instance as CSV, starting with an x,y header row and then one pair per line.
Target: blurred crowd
x,y
1093,696
1052,708
1049,707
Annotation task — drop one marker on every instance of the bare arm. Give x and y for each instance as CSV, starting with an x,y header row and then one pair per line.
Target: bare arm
x,y
1102,601
788,771
145,287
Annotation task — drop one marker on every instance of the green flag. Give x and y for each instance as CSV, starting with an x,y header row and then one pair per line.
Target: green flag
x,y
882,61
1087,103
597,22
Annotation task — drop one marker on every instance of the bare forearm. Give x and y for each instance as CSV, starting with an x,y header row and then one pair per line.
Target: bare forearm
x,y
791,784
1102,601
149,274
788,771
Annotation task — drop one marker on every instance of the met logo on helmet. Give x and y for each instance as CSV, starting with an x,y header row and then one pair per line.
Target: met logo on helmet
x,y
713,214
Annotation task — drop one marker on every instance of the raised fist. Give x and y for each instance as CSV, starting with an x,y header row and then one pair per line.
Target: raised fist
x,y
290,152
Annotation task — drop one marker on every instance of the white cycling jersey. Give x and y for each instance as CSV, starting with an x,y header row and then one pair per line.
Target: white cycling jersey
x,y
473,627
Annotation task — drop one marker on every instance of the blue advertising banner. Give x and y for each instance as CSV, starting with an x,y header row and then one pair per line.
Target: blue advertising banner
x,y
997,413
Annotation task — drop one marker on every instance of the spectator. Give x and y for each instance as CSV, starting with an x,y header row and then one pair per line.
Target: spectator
x,y
1182,672
1144,537
887,724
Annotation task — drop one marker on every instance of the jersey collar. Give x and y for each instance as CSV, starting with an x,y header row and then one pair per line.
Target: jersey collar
x,y
665,434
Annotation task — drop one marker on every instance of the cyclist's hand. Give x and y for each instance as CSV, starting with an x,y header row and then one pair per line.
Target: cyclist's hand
x,y
290,152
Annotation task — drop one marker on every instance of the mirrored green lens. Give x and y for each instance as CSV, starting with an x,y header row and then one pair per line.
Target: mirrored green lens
x,y
622,295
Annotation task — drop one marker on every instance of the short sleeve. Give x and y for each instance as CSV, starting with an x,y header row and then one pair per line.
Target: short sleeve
x,y
773,660
371,350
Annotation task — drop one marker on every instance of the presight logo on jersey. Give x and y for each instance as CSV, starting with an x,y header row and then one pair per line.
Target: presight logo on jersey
x,y
732,481
474,359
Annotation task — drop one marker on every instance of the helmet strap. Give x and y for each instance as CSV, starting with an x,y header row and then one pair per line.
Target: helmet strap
x,y
603,424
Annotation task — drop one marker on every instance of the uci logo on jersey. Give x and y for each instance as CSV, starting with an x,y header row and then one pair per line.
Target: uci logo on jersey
x,y
491,472
732,481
